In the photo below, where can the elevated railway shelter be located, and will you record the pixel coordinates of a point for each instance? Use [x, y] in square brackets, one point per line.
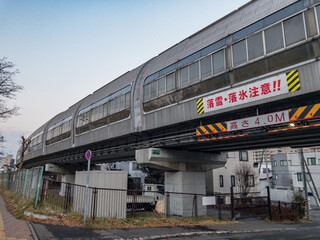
[236, 84]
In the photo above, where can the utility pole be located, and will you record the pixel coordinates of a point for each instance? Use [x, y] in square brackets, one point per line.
[267, 169]
[304, 182]
[314, 186]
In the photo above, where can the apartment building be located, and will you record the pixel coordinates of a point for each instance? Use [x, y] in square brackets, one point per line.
[221, 179]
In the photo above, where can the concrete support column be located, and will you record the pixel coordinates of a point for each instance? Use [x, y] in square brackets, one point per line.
[184, 173]
[185, 182]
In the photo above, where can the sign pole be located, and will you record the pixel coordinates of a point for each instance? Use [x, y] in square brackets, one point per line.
[88, 157]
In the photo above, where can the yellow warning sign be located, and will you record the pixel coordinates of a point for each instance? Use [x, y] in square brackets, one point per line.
[293, 81]
[200, 106]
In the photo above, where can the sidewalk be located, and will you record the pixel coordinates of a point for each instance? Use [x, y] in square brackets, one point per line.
[10, 227]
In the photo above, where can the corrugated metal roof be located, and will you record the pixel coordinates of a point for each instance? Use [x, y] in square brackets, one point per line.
[233, 22]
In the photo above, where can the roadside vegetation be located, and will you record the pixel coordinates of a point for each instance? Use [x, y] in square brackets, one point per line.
[18, 206]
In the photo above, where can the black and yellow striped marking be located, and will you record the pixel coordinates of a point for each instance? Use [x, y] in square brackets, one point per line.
[295, 114]
[306, 112]
[293, 81]
[294, 128]
[212, 129]
[200, 106]
[221, 138]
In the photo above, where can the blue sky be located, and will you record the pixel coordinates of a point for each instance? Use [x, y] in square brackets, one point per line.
[65, 50]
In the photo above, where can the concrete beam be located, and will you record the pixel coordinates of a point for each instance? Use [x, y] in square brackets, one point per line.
[176, 160]
[50, 167]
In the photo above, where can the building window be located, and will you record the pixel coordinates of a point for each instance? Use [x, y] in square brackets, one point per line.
[221, 180]
[243, 156]
[289, 163]
[233, 181]
[275, 163]
[308, 178]
[299, 176]
[134, 166]
[294, 30]
[276, 177]
[311, 161]
[274, 38]
[283, 163]
[250, 181]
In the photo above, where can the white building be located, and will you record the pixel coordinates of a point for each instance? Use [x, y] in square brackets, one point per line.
[287, 173]
[220, 180]
[6, 162]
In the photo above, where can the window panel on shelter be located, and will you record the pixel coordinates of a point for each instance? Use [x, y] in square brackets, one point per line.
[194, 72]
[146, 94]
[122, 102]
[218, 62]
[105, 110]
[153, 89]
[184, 75]
[274, 38]
[255, 46]
[114, 106]
[311, 24]
[127, 100]
[206, 67]
[162, 86]
[294, 30]
[318, 14]
[170, 82]
[239, 53]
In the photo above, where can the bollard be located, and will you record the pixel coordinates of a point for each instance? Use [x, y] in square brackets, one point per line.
[219, 208]
[232, 204]
[279, 209]
[168, 205]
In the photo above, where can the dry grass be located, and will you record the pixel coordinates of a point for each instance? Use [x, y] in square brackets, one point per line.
[17, 205]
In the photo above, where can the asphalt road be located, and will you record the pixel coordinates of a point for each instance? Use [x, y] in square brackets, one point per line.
[266, 231]
[305, 234]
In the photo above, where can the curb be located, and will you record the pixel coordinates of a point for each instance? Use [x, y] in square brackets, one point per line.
[33, 232]
[188, 234]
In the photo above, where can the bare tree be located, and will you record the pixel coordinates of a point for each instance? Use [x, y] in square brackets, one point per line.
[245, 179]
[8, 88]
[24, 146]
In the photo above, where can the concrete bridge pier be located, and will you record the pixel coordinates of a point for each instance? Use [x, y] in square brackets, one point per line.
[184, 172]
